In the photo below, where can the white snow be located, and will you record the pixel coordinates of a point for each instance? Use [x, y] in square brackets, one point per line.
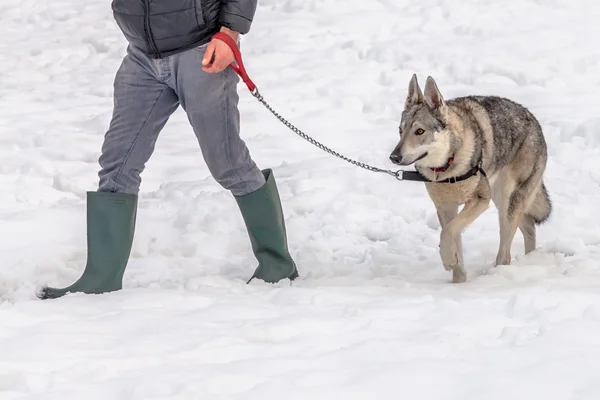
[374, 315]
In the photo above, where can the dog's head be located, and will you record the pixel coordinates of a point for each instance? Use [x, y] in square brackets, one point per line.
[424, 137]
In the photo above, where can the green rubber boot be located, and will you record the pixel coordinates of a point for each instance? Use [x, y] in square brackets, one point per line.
[263, 216]
[110, 227]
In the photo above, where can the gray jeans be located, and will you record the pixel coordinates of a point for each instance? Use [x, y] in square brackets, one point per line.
[147, 92]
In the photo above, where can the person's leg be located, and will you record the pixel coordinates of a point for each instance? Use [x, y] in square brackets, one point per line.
[142, 106]
[143, 102]
[211, 104]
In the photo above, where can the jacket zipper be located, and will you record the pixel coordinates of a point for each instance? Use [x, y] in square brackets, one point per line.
[148, 30]
[203, 10]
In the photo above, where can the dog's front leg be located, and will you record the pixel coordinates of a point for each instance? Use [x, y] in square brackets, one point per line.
[450, 238]
[446, 213]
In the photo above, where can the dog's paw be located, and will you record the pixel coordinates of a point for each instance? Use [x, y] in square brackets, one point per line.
[459, 275]
[502, 259]
[448, 267]
[448, 253]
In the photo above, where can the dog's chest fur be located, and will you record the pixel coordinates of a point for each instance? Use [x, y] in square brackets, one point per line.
[453, 193]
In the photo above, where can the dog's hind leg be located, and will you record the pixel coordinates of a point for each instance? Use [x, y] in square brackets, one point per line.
[503, 189]
[537, 210]
[508, 227]
[512, 200]
[527, 228]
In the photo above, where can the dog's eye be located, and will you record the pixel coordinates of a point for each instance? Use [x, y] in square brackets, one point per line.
[400, 131]
[419, 132]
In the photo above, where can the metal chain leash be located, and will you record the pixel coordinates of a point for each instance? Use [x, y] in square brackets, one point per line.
[260, 98]
[239, 69]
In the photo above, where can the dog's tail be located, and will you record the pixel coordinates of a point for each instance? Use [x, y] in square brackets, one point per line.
[541, 208]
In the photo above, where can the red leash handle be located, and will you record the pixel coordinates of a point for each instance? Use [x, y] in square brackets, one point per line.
[239, 68]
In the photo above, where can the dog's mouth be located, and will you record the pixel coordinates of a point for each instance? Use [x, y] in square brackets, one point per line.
[420, 157]
[399, 160]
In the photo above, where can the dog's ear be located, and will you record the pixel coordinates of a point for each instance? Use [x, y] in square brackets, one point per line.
[433, 97]
[415, 95]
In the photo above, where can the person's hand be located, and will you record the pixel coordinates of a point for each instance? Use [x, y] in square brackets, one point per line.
[218, 54]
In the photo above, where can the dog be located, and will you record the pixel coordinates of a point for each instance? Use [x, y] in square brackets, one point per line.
[471, 150]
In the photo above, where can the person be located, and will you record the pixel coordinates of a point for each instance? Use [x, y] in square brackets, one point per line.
[171, 60]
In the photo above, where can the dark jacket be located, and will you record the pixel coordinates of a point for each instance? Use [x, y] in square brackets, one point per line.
[164, 27]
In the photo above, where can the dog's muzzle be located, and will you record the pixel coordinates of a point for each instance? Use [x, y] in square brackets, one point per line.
[396, 159]
[399, 160]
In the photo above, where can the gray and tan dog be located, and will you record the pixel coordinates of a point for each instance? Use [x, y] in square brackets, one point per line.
[473, 149]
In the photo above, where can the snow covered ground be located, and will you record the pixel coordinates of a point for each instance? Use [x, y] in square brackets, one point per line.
[374, 315]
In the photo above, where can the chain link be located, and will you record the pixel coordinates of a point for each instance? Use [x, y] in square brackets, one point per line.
[260, 98]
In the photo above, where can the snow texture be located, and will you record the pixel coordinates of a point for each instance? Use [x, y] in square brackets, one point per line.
[374, 315]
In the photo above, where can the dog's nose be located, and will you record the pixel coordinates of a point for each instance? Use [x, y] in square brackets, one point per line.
[395, 158]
